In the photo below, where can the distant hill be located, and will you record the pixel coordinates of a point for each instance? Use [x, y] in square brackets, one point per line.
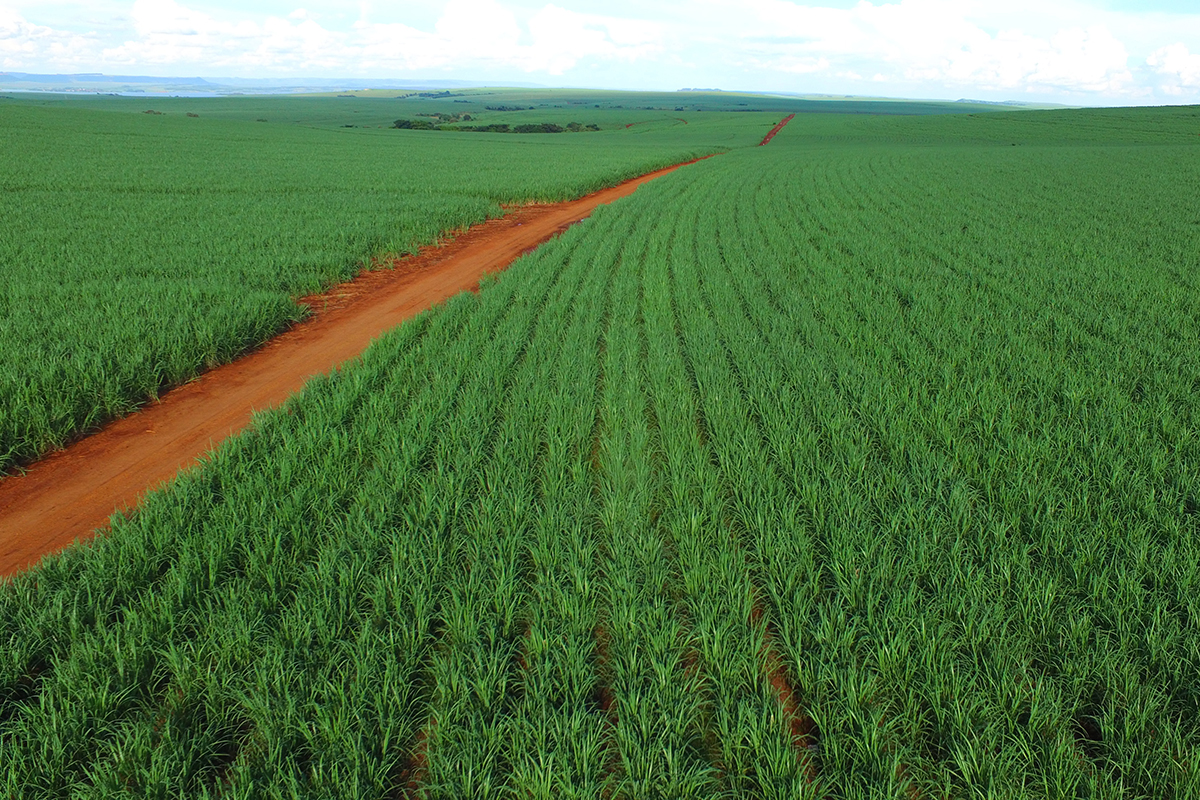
[98, 82]
[91, 77]
[1013, 103]
[95, 82]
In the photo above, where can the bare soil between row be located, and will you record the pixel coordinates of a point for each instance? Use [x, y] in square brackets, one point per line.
[70, 494]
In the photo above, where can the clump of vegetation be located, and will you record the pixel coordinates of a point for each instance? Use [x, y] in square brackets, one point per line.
[151, 111]
[414, 125]
[449, 122]
[543, 127]
[446, 119]
[496, 127]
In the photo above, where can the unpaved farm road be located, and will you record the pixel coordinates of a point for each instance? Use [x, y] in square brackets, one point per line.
[71, 493]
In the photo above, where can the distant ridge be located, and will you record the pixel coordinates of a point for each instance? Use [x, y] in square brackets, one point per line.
[98, 82]
[93, 77]
[992, 102]
[1022, 104]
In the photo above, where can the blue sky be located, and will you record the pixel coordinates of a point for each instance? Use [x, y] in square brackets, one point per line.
[1089, 52]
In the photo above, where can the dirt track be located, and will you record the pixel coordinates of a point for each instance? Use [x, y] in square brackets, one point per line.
[71, 493]
[778, 127]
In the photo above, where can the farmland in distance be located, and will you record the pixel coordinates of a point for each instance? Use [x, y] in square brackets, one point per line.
[860, 465]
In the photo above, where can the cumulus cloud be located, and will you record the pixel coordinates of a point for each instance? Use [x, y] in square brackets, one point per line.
[22, 42]
[171, 33]
[469, 34]
[1049, 48]
[1179, 66]
[484, 34]
[935, 41]
[800, 65]
[561, 38]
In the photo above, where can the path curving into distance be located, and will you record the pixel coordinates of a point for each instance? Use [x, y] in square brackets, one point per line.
[71, 493]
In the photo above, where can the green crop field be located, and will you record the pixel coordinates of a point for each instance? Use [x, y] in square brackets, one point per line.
[862, 465]
[148, 238]
[138, 249]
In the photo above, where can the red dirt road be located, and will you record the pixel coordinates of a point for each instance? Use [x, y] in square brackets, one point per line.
[778, 127]
[72, 492]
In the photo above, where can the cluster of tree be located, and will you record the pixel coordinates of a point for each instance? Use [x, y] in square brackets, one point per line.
[448, 118]
[537, 127]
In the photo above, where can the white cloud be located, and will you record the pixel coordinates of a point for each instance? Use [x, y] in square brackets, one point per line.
[23, 43]
[478, 29]
[1055, 49]
[171, 33]
[484, 34]
[936, 42]
[800, 65]
[480, 35]
[1178, 65]
[561, 38]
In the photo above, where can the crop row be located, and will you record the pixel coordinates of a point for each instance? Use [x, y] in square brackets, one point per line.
[806, 471]
[137, 252]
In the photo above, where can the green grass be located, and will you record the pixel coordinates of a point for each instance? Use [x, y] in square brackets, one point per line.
[923, 398]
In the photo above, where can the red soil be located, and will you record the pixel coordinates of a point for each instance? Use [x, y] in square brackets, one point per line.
[778, 127]
[605, 700]
[801, 726]
[414, 774]
[70, 493]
